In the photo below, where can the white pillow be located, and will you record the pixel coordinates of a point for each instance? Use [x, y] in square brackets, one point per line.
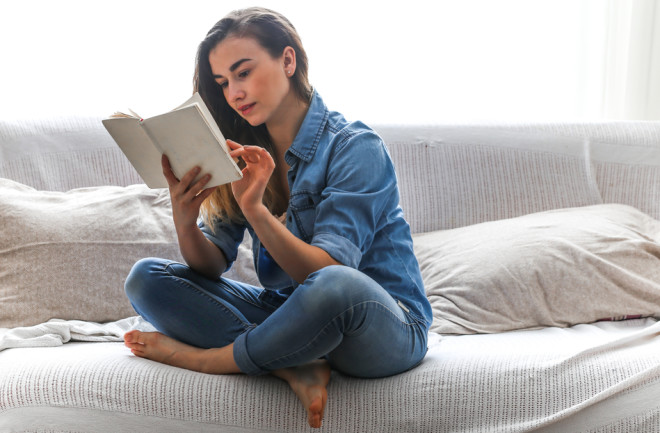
[66, 254]
[554, 268]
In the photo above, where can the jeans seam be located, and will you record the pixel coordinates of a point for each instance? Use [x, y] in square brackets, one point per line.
[386, 308]
[201, 289]
[200, 292]
[309, 343]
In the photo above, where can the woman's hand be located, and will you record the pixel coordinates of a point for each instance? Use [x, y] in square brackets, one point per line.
[187, 197]
[259, 166]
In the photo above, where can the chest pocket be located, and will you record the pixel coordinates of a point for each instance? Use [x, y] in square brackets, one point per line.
[302, 206]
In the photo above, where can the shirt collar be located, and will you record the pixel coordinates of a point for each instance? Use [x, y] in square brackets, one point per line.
[308, 137]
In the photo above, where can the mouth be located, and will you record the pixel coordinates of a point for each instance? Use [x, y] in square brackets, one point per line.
[245, 109]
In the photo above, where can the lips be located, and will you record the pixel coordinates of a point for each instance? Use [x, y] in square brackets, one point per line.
[245, 109]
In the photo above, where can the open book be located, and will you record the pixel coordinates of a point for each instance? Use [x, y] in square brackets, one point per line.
[188, 135]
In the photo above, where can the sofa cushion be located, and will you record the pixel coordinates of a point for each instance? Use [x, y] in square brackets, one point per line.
[553, 268]
[66, 254]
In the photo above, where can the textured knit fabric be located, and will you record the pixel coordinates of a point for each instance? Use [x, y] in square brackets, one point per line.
[592, 378]
[554, 268]
[512, 382]
[66, 255]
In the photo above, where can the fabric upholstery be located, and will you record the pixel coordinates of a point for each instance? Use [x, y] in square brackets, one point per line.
[553, 268]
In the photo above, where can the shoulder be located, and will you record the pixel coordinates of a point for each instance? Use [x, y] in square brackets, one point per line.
[357, 152]
[339, 138]
[353, 136]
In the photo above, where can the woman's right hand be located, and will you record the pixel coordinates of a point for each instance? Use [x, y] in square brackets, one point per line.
[186, 196]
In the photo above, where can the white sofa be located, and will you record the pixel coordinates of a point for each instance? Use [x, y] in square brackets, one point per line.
[75, 375]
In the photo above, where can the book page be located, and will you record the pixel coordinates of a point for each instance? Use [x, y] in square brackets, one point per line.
[132, 114]
[188, 141]
[197, 100]
[138, 148]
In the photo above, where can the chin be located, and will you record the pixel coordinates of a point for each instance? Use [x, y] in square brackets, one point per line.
[255, 121]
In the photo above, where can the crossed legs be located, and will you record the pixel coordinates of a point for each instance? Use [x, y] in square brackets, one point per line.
[221, 327]
[308, 381]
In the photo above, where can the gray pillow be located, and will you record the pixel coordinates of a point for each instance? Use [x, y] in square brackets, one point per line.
[66, 254]
[554, 268]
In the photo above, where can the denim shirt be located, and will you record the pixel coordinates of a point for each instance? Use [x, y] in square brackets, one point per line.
[344, 199]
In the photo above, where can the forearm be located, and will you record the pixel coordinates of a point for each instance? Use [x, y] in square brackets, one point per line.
[200, 253]
[296, 257]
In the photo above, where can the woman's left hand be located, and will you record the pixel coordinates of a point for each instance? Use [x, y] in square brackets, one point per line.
[259, 166]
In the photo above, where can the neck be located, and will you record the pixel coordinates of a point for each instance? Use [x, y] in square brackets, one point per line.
[284, 128]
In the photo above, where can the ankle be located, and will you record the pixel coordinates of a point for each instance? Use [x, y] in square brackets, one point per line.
[218, 361]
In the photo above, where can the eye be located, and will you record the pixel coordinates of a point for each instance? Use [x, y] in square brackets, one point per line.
[244, 73]
[223, 85]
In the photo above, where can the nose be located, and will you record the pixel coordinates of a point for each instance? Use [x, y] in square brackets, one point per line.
[234, 92]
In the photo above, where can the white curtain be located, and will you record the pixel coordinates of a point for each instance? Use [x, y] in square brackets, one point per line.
[630, 60]
[381, 62]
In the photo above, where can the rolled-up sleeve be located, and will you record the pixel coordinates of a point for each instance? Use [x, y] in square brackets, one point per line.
[226, 236]
[361, 182]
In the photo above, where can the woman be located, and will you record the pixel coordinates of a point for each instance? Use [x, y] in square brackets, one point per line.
[319, 197]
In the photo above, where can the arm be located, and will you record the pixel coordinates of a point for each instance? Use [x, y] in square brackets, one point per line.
[198, 252]
[297, 258]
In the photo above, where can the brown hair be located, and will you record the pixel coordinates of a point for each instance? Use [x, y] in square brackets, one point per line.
[274, 33]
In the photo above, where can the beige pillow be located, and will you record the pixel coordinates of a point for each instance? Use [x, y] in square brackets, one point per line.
[66, 254]
[554, 268]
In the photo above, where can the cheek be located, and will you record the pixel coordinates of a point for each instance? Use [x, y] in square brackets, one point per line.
[276, 83]
[262, 83]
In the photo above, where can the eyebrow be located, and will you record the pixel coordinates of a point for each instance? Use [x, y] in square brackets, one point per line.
[233, 67]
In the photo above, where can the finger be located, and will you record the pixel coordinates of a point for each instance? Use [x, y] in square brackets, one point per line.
[235, 150]
[198, 186]
[167, 171]
[261, 153]
[233, 145]
[189, 177]
[253, 154]
[237, 153]
[203, 195]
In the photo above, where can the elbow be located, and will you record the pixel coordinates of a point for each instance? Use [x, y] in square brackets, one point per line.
[326, 260]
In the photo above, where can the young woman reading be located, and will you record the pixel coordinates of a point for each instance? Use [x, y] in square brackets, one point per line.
[341, 287]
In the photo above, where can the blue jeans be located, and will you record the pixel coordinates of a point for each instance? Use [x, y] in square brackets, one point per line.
[337, 313]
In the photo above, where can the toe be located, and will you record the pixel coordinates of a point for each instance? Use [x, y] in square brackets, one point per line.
[131, 336]
[315, 412]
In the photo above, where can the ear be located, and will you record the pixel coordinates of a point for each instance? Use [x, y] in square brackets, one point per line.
[289, 61]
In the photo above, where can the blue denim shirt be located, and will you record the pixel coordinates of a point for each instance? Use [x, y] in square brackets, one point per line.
[344, 199]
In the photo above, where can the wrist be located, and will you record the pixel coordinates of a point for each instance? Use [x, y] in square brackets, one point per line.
[256, 214]
[184, 230]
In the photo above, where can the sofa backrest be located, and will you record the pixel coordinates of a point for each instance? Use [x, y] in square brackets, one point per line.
[59, 154]
[456, 175]
[449, 175]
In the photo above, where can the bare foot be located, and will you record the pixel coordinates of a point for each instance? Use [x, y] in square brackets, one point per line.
[309, 382]
[161, 348]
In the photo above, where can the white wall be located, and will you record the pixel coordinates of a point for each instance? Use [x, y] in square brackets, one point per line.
[408, 62]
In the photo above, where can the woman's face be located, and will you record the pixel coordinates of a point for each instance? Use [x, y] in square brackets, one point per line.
[254, 83]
